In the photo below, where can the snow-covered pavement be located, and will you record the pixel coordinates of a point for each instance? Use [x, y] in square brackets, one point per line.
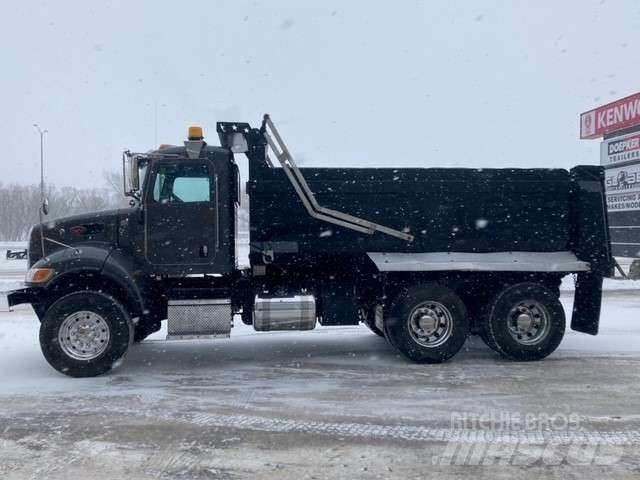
[273, 405]
[338, 400]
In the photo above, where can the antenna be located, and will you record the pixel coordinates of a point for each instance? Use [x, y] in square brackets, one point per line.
[44, 207]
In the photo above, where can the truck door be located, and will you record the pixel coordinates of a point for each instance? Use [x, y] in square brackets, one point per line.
[181, 215]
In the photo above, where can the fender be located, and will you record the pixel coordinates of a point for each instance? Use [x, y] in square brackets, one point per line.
[102, 259]
[123, 270]
[80, 257]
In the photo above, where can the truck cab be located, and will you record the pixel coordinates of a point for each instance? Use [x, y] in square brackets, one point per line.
[186, 209]
[176, 240]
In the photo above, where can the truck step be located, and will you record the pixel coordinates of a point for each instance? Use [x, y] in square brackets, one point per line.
[201, 318]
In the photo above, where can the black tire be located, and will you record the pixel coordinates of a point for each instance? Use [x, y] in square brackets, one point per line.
[112, 316]
[488, 341]
[372, 326]
[543, 322]
[370, 321]
[484, 330]
[387, 334]
[436, 304]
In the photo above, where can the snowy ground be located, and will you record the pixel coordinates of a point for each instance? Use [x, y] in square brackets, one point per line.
[331, 403]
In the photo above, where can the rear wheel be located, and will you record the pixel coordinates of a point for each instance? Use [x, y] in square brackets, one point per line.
[374, 329]
[369, 319]
[85, 334]
[524, 322]
[488, 342]
[428, 324]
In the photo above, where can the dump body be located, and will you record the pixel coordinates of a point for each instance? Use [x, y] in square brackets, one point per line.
[446, 210]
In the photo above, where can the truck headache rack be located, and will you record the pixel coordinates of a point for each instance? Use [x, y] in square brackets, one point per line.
[315, 210]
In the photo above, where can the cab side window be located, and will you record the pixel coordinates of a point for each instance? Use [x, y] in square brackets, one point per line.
[182, 184]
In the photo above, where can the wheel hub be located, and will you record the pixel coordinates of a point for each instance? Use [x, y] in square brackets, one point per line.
[529, 322]
[430, 324]
[524, 322]
[84, 335]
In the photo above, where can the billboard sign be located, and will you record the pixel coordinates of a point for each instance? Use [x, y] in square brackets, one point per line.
[625, 148]
[622, 186]
[613, 117]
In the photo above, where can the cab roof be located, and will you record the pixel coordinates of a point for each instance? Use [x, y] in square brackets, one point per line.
[182, 151]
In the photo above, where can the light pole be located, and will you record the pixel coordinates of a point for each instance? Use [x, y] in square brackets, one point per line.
[43, 204]
[155, 124]
[156, 111]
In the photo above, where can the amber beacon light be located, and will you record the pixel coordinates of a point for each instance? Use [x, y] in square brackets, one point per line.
[195, 133]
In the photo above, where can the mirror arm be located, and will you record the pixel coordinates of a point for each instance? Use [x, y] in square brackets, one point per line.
[135, 194]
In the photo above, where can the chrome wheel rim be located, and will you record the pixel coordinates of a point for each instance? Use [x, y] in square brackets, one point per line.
[84, 335]
[430, 324]
[529, 322]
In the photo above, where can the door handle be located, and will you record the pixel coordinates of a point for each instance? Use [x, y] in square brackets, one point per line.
[204, 251]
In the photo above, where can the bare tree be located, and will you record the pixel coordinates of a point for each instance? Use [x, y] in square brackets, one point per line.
[113, 181]
[19, 204]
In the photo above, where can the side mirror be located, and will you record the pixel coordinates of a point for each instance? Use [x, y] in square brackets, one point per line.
[130, 174]
[45, 206]
[133, 174]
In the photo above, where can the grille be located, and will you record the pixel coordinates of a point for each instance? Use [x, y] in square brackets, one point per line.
[199, 318]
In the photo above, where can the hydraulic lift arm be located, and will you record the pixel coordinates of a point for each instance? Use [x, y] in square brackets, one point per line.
[315, 210]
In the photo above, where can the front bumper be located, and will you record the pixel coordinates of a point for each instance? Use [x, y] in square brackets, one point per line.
[24, 295]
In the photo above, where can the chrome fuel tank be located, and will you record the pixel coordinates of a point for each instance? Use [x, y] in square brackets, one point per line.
[297, 312]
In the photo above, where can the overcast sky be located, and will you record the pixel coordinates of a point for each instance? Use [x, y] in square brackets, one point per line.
[403, 83]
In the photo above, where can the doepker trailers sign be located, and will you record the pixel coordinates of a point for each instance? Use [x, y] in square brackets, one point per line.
[625, 148]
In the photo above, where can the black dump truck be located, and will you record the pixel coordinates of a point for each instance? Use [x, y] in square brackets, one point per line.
[424, 257]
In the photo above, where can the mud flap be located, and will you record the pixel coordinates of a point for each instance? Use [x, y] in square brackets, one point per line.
[586, 303]
[4, 303]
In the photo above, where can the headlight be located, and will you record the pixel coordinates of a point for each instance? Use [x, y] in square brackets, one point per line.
[39, 275]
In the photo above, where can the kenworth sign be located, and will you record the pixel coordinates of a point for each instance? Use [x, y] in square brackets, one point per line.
[612, 117]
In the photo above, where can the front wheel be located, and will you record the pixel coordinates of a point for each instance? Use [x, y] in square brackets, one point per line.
[428, 324]
[525, 322]
[85, 334]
